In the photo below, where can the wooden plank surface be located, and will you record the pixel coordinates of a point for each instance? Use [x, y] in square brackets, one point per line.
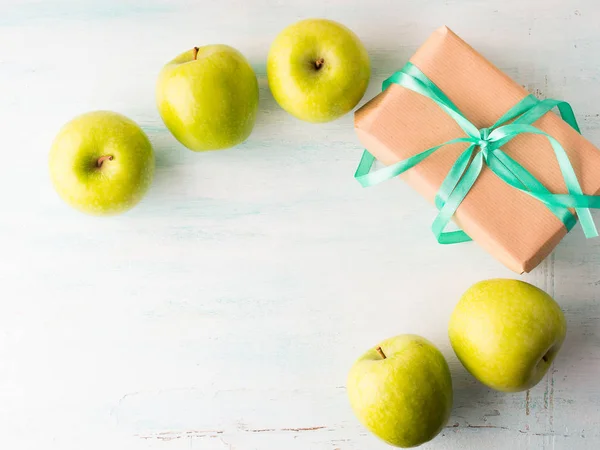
[226, 309]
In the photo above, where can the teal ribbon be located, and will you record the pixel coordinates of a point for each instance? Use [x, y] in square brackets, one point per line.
[485, 148]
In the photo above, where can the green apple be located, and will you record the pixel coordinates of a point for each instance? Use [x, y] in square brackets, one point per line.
[506, 333]
[101, 163]
[401, 390]
[208, 97]
[318, 70]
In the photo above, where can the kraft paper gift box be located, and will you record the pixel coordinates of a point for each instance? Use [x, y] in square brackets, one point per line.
[520, 231]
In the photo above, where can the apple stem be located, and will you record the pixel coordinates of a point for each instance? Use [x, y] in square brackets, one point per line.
[319, 63]
[195, 55]
[380, 351]
[102, 159]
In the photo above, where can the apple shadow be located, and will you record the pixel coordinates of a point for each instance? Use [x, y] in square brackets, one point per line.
[473, 401]
[167, 149]
[269, 115]
[171, 159]
[385, 60]
[581, 348]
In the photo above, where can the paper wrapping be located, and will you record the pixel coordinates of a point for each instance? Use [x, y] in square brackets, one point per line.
[517, 229]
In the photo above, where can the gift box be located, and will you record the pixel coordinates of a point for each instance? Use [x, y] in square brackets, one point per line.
[512, 174]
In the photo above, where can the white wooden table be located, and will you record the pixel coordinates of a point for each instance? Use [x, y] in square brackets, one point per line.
[225, 310]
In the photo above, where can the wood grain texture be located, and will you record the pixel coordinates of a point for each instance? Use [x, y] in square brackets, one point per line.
[224, 311]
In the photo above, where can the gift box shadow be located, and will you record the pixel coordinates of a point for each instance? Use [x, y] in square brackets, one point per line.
[575, 243]
[387, 59]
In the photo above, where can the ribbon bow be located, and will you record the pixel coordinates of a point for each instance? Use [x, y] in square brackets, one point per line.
[485, 148]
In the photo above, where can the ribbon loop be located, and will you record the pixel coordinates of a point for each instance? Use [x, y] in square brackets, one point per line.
[484, 134]
[483, 142]
[468, 166]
